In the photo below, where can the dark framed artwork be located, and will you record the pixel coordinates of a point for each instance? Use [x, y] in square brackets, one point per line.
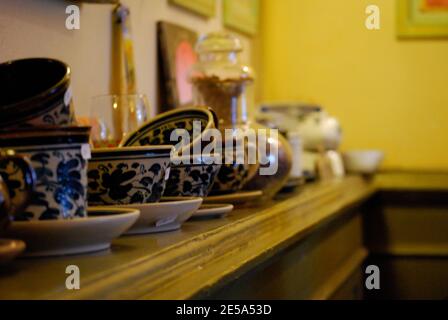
[176, 56]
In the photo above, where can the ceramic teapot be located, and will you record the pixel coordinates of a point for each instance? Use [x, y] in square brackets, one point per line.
[318, 130]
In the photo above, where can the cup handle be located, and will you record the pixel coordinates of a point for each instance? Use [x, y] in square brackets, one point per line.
[215, 117]
[29, 179]
[5, 205]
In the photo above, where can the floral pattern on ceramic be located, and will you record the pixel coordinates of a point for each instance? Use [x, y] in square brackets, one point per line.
[160, 134]
[60, 114]
[233, 175]
[158, 130]
[231, 178]
[15, 197]
[60, 189]
[191, 179]
[14, 178]
[126, 181]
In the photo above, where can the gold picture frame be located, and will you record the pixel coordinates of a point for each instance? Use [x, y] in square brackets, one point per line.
[241, 15]
[422, 18]
[206, 8]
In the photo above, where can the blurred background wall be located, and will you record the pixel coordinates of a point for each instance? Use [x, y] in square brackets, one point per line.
[389, 94]
[30, 28]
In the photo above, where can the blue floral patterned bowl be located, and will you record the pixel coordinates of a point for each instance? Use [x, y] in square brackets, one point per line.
[128, 175]
[191, 176]
[58, 156]
[158, 130]
[35, 92]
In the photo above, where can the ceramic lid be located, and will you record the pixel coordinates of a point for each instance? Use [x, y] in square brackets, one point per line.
[218, 42]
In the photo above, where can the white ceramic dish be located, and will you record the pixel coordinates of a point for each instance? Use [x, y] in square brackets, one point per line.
[64, 237]
[213, 211]
[236, 198]
[362, 161]
[9, 249]
[167, 215]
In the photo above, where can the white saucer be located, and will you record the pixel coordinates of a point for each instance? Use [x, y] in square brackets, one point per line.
[236, 198]
[167, 215]
[213, 211]
[9, 249]
[64, 237]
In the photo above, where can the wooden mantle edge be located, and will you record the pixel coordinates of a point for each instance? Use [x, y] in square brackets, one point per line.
[220, 255]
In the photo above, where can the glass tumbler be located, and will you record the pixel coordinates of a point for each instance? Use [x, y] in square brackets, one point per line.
[112, 117]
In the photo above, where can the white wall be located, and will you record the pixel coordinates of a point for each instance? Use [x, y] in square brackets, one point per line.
[31, 28]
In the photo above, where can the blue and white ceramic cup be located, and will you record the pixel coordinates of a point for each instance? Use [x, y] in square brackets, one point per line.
[128, 175]
[58, 156]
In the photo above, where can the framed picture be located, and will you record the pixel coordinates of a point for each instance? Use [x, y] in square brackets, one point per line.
[422, 18]
[176, 56]
[241, 15]
[206, 8]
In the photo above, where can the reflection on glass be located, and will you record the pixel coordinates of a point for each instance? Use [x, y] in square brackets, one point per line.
[114, 116]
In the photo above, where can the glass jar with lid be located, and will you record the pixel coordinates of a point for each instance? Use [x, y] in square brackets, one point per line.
[219, 80]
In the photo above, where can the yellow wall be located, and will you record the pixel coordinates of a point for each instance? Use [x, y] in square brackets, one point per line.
[388, 94]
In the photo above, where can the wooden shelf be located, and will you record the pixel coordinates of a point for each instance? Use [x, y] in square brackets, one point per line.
[412, 180]
[189, 262]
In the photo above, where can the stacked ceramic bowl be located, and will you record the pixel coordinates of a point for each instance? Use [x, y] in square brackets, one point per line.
[193, 171]
[199, 167]
[136, 177]
[43, 164]
[149, 171]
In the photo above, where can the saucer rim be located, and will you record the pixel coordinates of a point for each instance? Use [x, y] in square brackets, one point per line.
[162, 205]
[223, 208]
[171, 202]
[57, 228]
[119, 212]
[236, 196]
